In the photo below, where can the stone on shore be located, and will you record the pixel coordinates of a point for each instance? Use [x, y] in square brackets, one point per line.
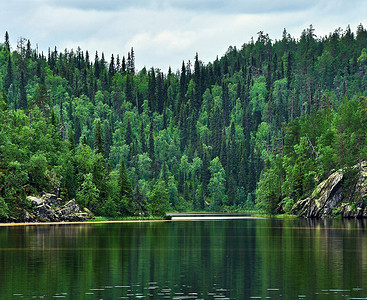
[50, 208]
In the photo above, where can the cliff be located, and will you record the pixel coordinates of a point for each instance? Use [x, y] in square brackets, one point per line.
[342, 193]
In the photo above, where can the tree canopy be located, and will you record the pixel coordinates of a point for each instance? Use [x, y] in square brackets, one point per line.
[261, 125]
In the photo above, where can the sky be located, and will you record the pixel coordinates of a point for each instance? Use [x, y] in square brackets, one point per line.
[163, 33]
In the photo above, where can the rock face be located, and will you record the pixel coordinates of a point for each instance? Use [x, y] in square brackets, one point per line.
[50, 208]
[332, 197]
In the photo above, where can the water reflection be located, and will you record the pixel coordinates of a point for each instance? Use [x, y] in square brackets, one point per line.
[226, 259]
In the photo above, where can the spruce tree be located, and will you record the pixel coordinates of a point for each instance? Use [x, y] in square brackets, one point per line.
[97, 68]
[118, 64]
[226, 104]
[152, 98]
[112, 68]
[7, 44]
[8, 80]
[131, 62]
[128, 134]
[198, 83]
[151, 143]
[125, 191]
[23, 95]
[182, 85]
[140, 202]
[98, 139]
[123, 65]
[143, 143]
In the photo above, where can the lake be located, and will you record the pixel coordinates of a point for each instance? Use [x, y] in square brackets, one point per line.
[186, 259]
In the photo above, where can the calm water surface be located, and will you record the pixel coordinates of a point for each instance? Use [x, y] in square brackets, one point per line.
[202, 259]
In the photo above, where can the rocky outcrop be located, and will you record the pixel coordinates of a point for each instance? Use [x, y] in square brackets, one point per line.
[333, 197]
[50, 208]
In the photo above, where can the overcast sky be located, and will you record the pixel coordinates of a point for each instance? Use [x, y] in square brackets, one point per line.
[165, 32]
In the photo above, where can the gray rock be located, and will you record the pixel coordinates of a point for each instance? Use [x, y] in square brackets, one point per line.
[35, 201]
[332, 198]
[49, 208]
[51, 199]
[45, 213]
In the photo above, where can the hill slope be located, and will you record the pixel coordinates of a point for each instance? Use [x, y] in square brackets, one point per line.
[113, 137]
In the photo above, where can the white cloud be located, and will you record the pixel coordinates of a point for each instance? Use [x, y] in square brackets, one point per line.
[165, 32]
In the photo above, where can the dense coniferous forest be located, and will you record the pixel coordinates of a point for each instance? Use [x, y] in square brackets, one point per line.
[258, 127]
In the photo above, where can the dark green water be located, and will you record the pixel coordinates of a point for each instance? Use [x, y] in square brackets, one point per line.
[226, 259]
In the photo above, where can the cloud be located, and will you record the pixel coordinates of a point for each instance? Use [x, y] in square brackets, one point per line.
[165, 32]
[202, 6]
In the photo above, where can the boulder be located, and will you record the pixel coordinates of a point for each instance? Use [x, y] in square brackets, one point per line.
[51, 199]
[45, 212]
[332, 198]
[50, 208]
[35, 201]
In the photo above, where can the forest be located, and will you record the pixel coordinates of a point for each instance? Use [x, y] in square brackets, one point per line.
[257, 128]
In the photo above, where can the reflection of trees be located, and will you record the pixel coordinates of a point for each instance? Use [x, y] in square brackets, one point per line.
[308, 256]
[244, 257]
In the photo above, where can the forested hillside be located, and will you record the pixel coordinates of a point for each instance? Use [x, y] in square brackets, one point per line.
[261, 125]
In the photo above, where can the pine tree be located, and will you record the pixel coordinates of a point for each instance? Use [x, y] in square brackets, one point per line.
[129, 88]
[198, 84]
[123, 65]
[142, 139]
[112, 68]
[131, 62]
[98, 139]
[8, 80]
[140, 202]
[152, 98]
[125, 191]
[28, 52]
[160, 96]
[7, 44]
[151, 143]
[71, 142]
[226, 104]
[97, 68]
[128, 134]
[118, 64]
[182, 85]
[23, 95]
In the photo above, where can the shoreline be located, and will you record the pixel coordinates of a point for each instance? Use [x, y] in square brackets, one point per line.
[79, 222]
[172, 217]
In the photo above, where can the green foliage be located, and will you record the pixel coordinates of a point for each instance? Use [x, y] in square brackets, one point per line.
[36, 170]
[125, 192]
[88, 195]
[269, 192]
[3, 209]
[159, 199]
[271, 119]
[216, 185]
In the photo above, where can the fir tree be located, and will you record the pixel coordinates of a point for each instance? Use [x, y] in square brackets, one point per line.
[112, 68]
[7, 43]
[8, 80]
[98, 139]
[125, 191]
